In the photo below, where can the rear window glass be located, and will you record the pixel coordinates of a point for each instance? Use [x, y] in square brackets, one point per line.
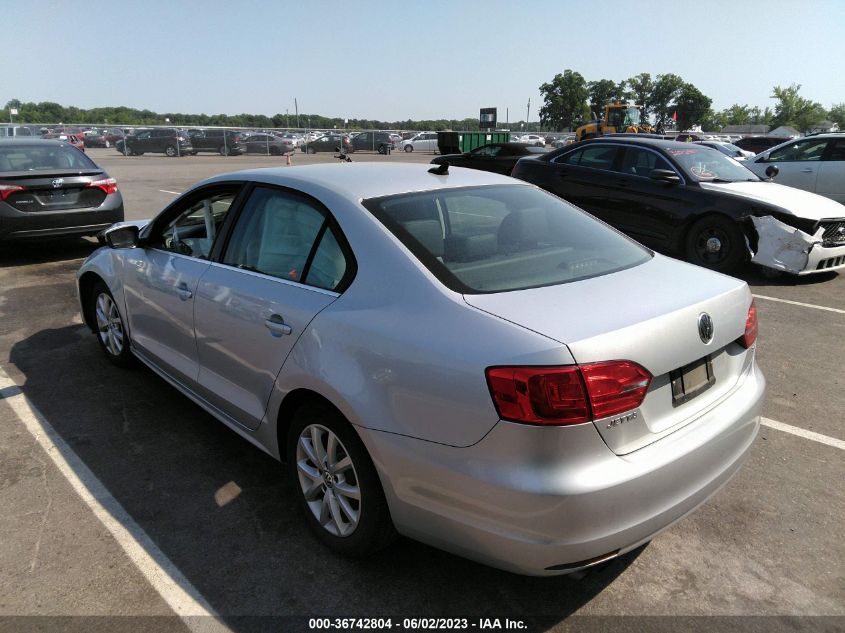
[504, 237]
[48, 157]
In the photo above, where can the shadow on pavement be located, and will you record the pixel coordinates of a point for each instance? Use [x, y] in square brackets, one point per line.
[41, 251]
[248, 551]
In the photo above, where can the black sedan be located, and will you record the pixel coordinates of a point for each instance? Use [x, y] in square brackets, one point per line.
[327, 143]
[268, 144]
[50, 188]
[499, 158]
[693, 202]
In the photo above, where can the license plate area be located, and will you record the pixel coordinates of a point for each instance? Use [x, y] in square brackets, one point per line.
[691, 380]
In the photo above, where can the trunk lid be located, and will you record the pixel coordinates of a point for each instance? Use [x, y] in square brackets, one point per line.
[58, 191]
[647, 314]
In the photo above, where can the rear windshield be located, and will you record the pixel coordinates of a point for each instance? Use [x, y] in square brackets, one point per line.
[42, 157]
[504, 237]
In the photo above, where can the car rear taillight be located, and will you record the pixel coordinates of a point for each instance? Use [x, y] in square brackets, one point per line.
[615, 386]
[567, 395]
[109, 185]
[750, 335]
[8, 190]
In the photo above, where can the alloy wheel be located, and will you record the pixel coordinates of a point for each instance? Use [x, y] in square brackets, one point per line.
[109, 324]
[328, 480]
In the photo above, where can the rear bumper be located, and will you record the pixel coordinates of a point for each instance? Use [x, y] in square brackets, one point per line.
[546, 501]
[16, 224]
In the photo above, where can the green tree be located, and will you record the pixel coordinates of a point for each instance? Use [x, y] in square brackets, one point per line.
[761, 117]
[796, 111]
[837, 114]
[565, 101]
[691, 106]
[601, 93]
[737, 115]
[640, 88]
[664, 91]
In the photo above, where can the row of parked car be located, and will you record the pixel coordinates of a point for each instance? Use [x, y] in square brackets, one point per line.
[690, 200]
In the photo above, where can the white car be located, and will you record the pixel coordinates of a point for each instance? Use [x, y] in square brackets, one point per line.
[423, 142]
[532, 139]
[728, 149]
[813, 163]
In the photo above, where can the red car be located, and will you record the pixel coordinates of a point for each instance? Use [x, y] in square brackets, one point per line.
[72, 135]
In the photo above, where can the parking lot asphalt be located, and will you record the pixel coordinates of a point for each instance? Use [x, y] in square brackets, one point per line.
[172, 494]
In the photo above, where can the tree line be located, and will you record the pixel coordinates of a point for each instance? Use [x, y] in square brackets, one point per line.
[48, 112]
[570, 100]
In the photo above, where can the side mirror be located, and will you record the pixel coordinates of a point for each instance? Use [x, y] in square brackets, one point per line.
[122, 236]
[772, 171]
[665, 175]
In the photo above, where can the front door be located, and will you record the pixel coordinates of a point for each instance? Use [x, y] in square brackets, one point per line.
[161, 282]
[798, 163]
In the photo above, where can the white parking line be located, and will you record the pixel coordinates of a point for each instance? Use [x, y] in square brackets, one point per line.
[809, 435]
[175, 193]
[159, 571]
[798, 303]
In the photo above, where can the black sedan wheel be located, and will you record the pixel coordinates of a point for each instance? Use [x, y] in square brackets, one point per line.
[716, 242]
[170, 151]
[312, 149]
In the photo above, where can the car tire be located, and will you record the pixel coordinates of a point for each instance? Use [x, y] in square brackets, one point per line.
[106, 144]
[111, 332]
[327, 485]
[716, 242]
[170, 151]
[382, 149]
[222, 150]
[275, 151]
[409, 148]
[312, 150]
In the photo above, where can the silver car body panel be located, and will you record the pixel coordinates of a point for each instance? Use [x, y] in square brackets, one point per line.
[403, 358]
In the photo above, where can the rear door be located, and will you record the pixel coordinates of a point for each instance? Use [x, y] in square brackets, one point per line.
[585, 178]
[283, 264]
[161, 279]
[831, 178]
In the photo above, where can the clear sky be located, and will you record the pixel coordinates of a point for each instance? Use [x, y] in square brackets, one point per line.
[419, 59]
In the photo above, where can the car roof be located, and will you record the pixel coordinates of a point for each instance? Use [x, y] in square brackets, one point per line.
[356, 181]
[30, 140]
[633, 140]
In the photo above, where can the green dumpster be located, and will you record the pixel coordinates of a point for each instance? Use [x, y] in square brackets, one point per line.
[459, 142]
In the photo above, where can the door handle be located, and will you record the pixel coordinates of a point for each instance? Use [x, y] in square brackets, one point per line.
[184, 292]
[277, 326]
[807, 171]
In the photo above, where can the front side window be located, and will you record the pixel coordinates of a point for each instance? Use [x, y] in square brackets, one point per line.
[276, 235]
[799, 151]
[504, 237]
[194, 230]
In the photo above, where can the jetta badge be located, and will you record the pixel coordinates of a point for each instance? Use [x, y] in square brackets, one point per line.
[58, 182]
[705, 328]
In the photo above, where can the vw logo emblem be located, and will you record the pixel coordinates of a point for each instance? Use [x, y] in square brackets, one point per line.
[58, 182]
[705, 328]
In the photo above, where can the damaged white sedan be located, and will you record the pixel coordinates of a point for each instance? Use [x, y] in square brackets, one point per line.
[695, 203]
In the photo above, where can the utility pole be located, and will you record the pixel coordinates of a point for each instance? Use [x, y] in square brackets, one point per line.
[296, 105]
[528, 112]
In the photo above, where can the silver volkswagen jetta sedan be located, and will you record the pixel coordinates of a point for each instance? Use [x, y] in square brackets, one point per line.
[461, 358]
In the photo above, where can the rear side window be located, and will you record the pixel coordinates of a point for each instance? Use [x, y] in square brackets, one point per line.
[502, 238]
[595, 156]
